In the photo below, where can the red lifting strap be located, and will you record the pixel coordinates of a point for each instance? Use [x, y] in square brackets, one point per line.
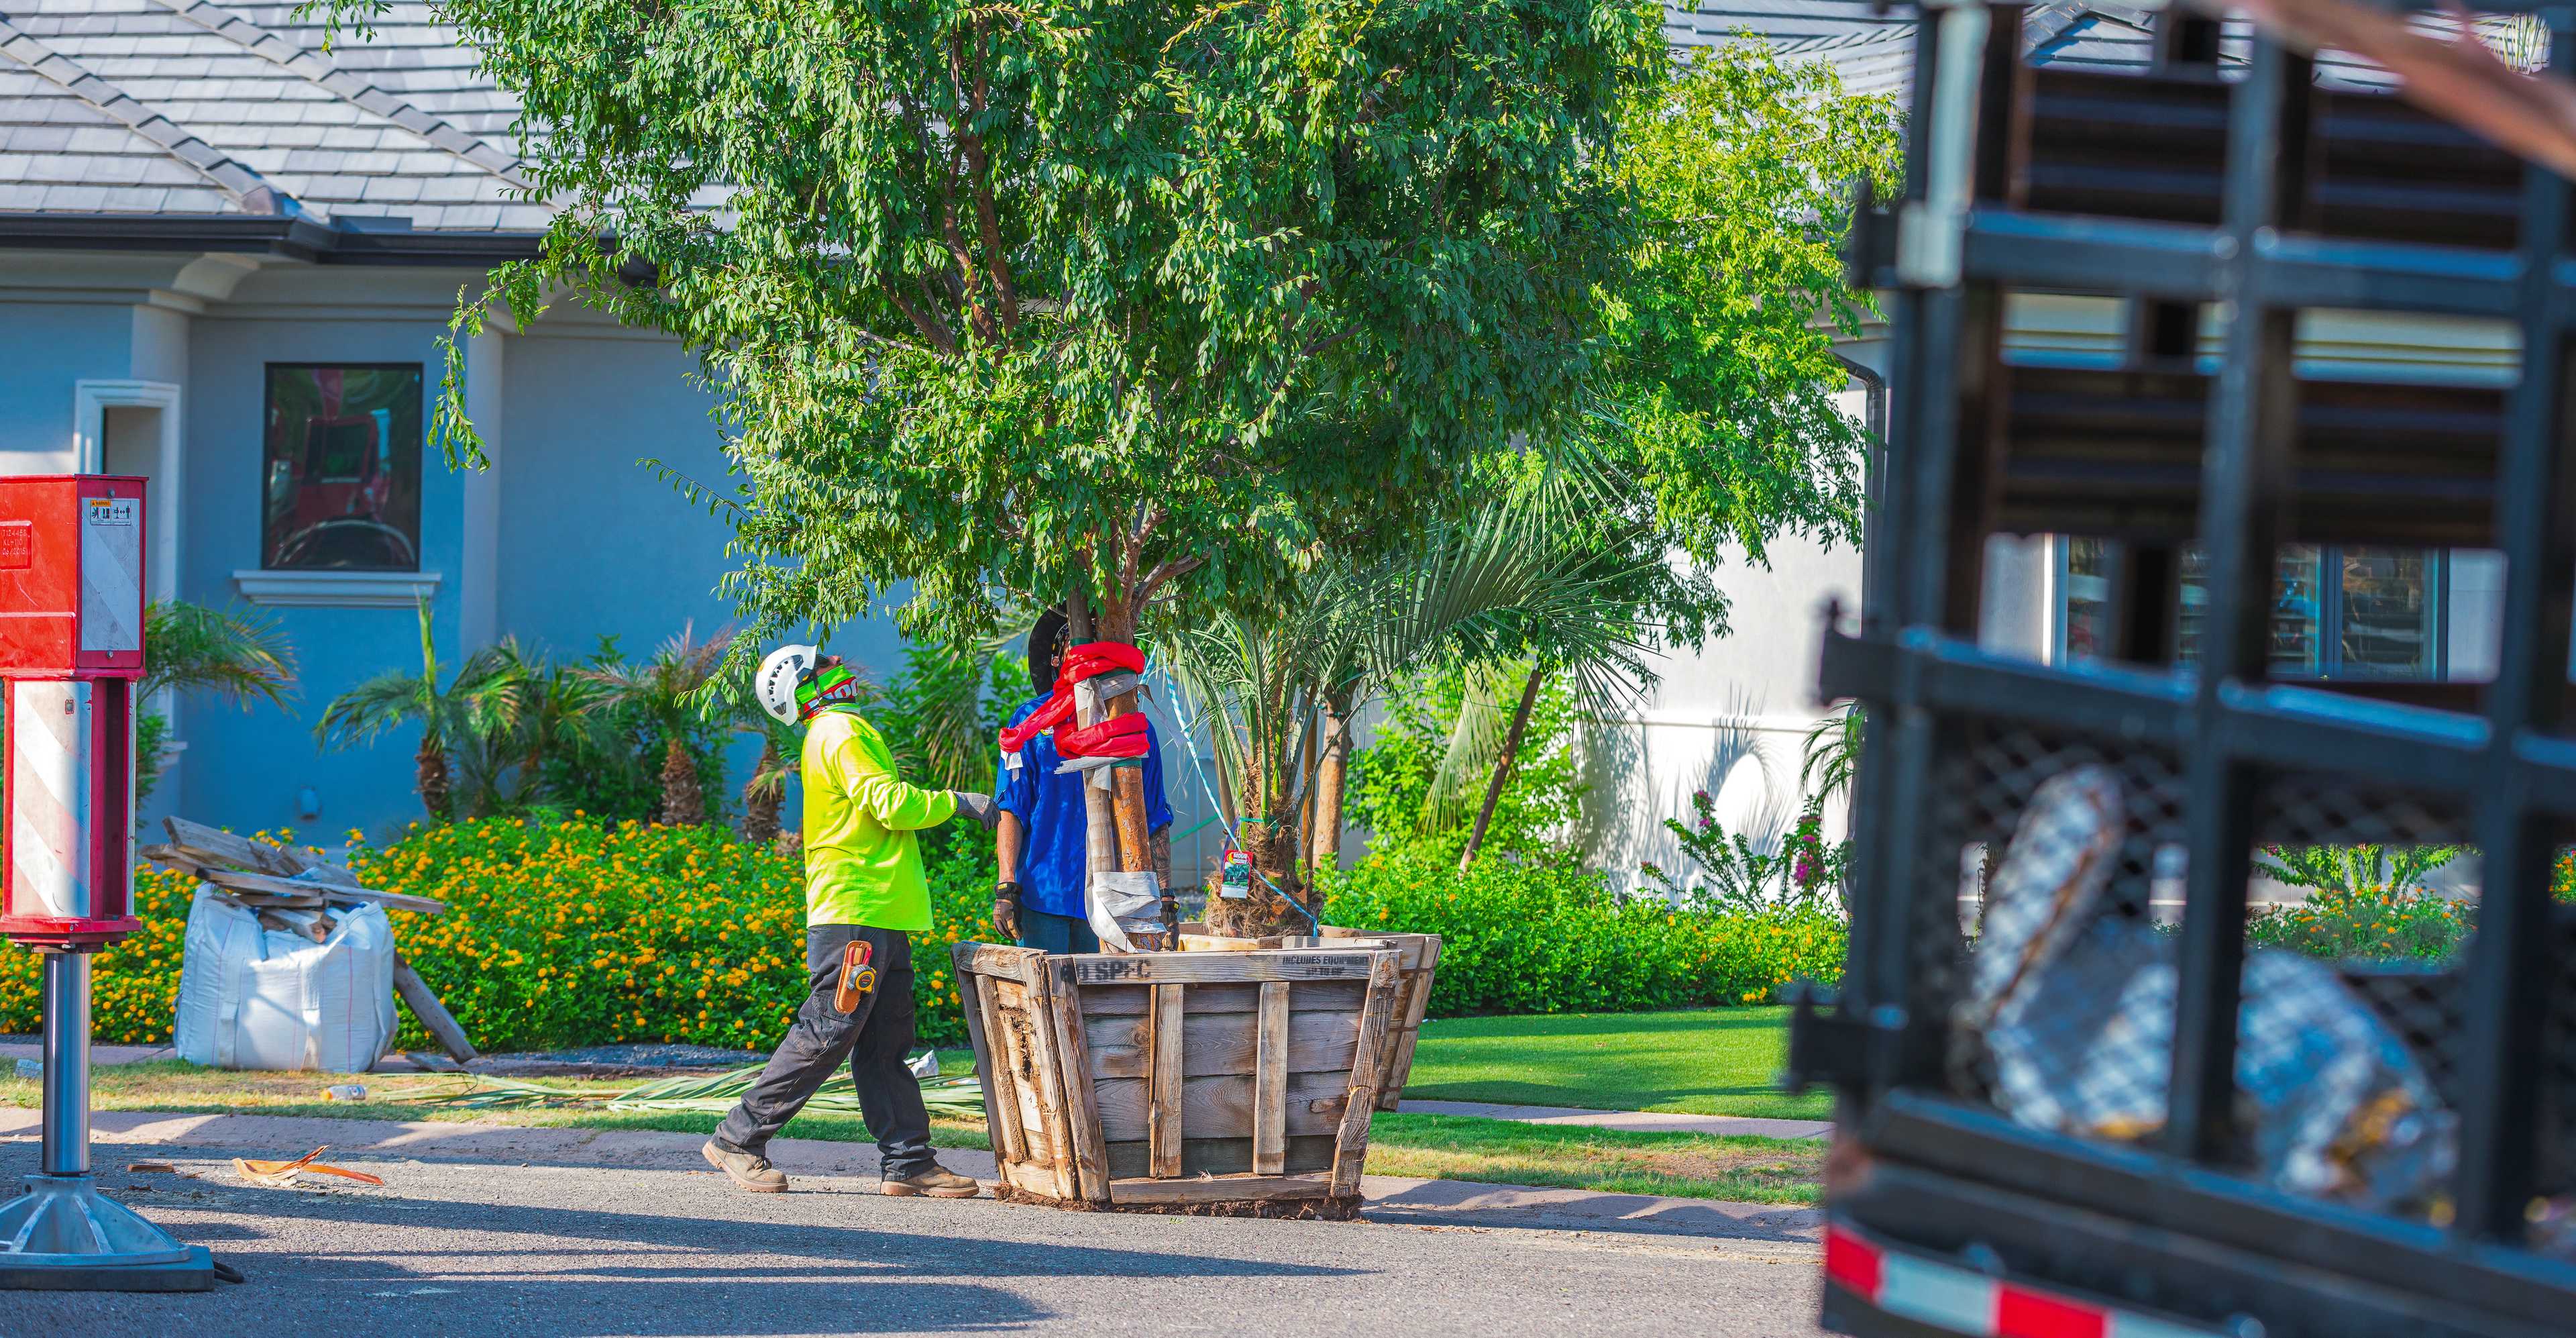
[1120, 737]
[1087, 661]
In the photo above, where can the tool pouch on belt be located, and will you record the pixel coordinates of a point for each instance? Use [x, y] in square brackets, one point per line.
[858, 979]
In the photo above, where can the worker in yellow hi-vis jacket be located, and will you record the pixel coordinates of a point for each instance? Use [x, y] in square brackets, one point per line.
[865, 898]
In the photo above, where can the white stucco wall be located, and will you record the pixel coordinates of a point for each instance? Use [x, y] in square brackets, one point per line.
[1730, 716]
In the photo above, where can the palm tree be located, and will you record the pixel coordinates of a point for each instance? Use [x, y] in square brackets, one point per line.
[765, 793]
[233, 653]
[1278, 693]
[464, 717]
[1832, 757]
[668, 692]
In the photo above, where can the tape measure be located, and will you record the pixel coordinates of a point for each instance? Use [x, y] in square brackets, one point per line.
[858, 979]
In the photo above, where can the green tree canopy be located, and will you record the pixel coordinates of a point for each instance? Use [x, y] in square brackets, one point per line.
[1708, 426]
[1156, 300]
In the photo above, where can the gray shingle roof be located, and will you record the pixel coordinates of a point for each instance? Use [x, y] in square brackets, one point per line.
[223, 107]
[2073, 35]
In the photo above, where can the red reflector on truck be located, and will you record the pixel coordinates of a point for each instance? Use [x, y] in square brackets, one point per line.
[1851, 1262]
[1945, 1296]
[2027, 1314]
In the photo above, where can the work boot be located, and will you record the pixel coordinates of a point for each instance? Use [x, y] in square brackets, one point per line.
[749, 1170]
[934, 1181]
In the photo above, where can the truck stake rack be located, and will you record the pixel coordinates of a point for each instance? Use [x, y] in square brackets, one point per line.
[2221, 195]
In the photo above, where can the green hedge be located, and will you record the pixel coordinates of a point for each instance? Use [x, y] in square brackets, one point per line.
[561, 934]
[584, 933]
[1552, 938]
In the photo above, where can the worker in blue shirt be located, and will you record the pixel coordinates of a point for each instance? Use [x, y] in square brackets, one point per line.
[1044, 825]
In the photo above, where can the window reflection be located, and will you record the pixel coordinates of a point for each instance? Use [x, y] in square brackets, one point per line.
[343, 468]
[2337, 612]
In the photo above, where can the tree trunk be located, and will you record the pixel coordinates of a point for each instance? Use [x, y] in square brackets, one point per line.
[431, 777]
[1127, 792]
[1325, 831]
[1100, 829]
[760, 803]
[684, 804]
[1502, 766]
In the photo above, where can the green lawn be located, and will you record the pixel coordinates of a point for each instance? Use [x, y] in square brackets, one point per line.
[1714, 1061]
[1616, 1161]
[1430, 1147]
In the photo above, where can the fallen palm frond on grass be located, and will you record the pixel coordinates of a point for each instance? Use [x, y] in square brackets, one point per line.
[958, 1098]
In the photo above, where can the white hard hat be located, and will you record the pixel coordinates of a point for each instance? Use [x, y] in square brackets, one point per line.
[781, 674]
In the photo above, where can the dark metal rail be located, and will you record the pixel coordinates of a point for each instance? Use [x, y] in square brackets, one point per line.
[2275, 197]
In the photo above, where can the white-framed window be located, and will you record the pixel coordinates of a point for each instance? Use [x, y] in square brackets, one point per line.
[2338, 611]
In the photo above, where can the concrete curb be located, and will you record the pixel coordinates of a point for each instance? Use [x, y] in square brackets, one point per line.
[1391, 1199]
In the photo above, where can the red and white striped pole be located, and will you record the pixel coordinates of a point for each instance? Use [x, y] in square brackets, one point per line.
[71, 653]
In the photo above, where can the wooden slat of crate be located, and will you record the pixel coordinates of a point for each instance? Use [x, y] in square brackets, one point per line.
[1052, 1079]
[1016, 1051]
[1411, 1002]
[1082, 1113]
[1223, 1043]
[1273, 1058]
[1223, 1156]
[1324, 996]
[1164, 1078]
[1211, 968]
[991, 1077]
[1219, 1189]
[1351, 1151]
[1221, 1107]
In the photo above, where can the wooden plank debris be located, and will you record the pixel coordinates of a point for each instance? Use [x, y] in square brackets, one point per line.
[238, 881]
[433, 1015]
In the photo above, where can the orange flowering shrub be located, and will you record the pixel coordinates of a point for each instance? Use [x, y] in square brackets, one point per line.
[566, 933]
[133, 985]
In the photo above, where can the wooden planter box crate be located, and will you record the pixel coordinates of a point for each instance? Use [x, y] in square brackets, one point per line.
[1417, 959]
[1181, 1082]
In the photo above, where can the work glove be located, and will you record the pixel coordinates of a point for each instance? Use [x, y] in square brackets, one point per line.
[980, 807]
[1006, 910]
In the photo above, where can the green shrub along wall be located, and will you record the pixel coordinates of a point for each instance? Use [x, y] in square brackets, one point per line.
[1546, 937]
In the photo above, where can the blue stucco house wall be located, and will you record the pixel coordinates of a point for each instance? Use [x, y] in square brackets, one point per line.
[189, 197]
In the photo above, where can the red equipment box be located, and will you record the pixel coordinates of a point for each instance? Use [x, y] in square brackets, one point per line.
[69, 872]
[71, 648]
[71, 576]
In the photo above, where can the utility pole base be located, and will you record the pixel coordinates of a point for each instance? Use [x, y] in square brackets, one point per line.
[61, 1234]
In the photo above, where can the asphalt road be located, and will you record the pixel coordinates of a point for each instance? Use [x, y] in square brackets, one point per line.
[474, 1247]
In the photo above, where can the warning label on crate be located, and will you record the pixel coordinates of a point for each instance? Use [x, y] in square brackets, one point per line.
[17, 545]
[109, 510]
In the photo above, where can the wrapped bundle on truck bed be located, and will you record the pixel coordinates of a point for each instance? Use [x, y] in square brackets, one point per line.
[2072, 1098]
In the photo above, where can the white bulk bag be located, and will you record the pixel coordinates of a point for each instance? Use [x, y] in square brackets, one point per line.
[254, 998]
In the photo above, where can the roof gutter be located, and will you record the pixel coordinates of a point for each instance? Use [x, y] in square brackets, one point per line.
[290, 238]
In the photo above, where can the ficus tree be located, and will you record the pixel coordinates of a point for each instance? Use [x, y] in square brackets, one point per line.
[1140, 302]
[1712, 400]
[1111, 303]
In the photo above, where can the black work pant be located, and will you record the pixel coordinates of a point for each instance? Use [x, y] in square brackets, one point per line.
[875, 1037]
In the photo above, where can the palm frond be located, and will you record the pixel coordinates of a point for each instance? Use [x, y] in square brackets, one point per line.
[233, 652]
[377, 706]
[1832, 754]
[1475, 741]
